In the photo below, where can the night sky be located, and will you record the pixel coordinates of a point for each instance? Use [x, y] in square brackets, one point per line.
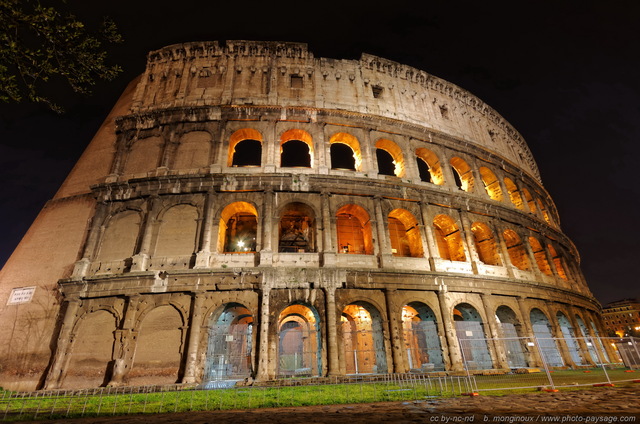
[565, 74]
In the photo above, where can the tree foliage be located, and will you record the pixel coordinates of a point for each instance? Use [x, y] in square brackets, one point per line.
[40, 44]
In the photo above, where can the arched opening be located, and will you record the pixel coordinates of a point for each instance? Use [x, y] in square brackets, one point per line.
[558, 262]
[354, 230]
[177, 234]
[491, 184]
[363, 340]
[404, 234]
[485, 244]
[514, 345]
[604, 352]
[296, 149]
[429, 166]
[345, 152]
[230, 345]
[238, 228]
[297, 229]
[421, 339]
[514, 193]
[582, 330]
[390, 158]
[570, 338]
[472, 338]
[517, 252]
[299, 342]
[120, 237]
[448, 239]
[543, 209]
[529, 199]
[245, 148]
[542, 331]
[462, 174]
[540, 255]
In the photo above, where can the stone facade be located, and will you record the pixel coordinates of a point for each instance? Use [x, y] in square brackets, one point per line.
[249, 211]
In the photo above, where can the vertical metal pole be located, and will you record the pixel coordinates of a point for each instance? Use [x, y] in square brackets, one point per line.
[544, 361]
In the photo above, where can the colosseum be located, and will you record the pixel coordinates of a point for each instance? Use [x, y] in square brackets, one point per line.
[249, 212]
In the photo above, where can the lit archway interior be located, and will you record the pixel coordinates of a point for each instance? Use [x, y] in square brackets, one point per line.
[299, 342]
[363, 340]
[354, 230]
[238, 228]
[297, 229]
[472, 338]
[245, 148]
[448, 239]
[421, 340]
[404, 234]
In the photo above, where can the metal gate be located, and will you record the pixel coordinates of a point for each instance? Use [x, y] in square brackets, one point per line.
[548, 346]
[423, 346]
[513, 346]
[475, 352]
[228, 352]
[572, 345]
[298, 352]
[359, 350]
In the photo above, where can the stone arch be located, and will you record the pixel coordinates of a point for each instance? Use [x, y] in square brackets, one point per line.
[296, 149]
[569, 335]
[178, 231]
[472, 337]
[397, 158]
[542, 331]
[514, 193]
[93, 342]
[120, 237]
[299, 341]
[543, 209]
[404, 234]
[245, 148]
[491, 184]
[429, 166]
[540, 255]
[511, 334]
[363, 341]
[421, 339]
[558, 262]
[297, 228]
[158, 355]
[516, 250]
[238, 229]
[529, 199]
[353, 226]
[462, 173]
[345, 152]
[486, 245]
[143, 155]
[230, 344]
[448, 238]
[193, 151]
[584, 333]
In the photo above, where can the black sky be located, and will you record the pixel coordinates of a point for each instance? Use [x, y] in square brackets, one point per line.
[565, 74]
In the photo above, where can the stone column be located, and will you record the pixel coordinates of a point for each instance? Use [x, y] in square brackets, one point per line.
[332, 331]
[584, 349]
[263, 358]
[560, 341]
[125, 343]
[505, 254]
[450, 330]
[62, 353]
[383, 240]
[533, 352]
[397, 340]
[432, 247]
[470, 241]
[532, 258]
[204, 254]
[328, 248]
[141, 260]
[195, 327]
[496, 347]
[81, 267]
[266, 253]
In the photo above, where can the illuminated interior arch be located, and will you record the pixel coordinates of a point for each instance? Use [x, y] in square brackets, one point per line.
[404, 234]
[238, 228]
[429, 160]
[543, 209]
[395, 152]
[514, 193]
[517, 252]
[299, 342]
[354, 230]
[339, 143]
[296, 149]
[297, 229]
[420, 334]
[462, 174]
[485, 244]
[557, 261]
[540, 255]
[245, 148]
[491, 184]
[363, 346]
[529, 199]
[449, 239]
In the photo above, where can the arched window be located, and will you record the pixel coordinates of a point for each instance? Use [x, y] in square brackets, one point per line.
[296, 149]
[517, 252]
[245, 148]
[404, 234]
[557, 261]
[462, 174]
[491, 184]
[540, 255]
[529, 199]
[429, 166]
[238, 228]
[514, 193]
[485, 244]
[545, 214]
[297, 229]
[390, 158]
[354, 230]
[449, 239]
[345, 152]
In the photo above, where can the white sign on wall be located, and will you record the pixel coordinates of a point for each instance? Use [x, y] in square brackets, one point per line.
[21, 295]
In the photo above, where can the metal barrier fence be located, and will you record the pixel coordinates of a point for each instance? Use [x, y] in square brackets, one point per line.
[58, 404]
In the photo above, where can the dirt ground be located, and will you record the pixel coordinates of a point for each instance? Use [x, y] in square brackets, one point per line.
[599, 405]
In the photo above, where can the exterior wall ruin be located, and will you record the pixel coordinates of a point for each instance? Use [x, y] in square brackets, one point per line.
[204, 251]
